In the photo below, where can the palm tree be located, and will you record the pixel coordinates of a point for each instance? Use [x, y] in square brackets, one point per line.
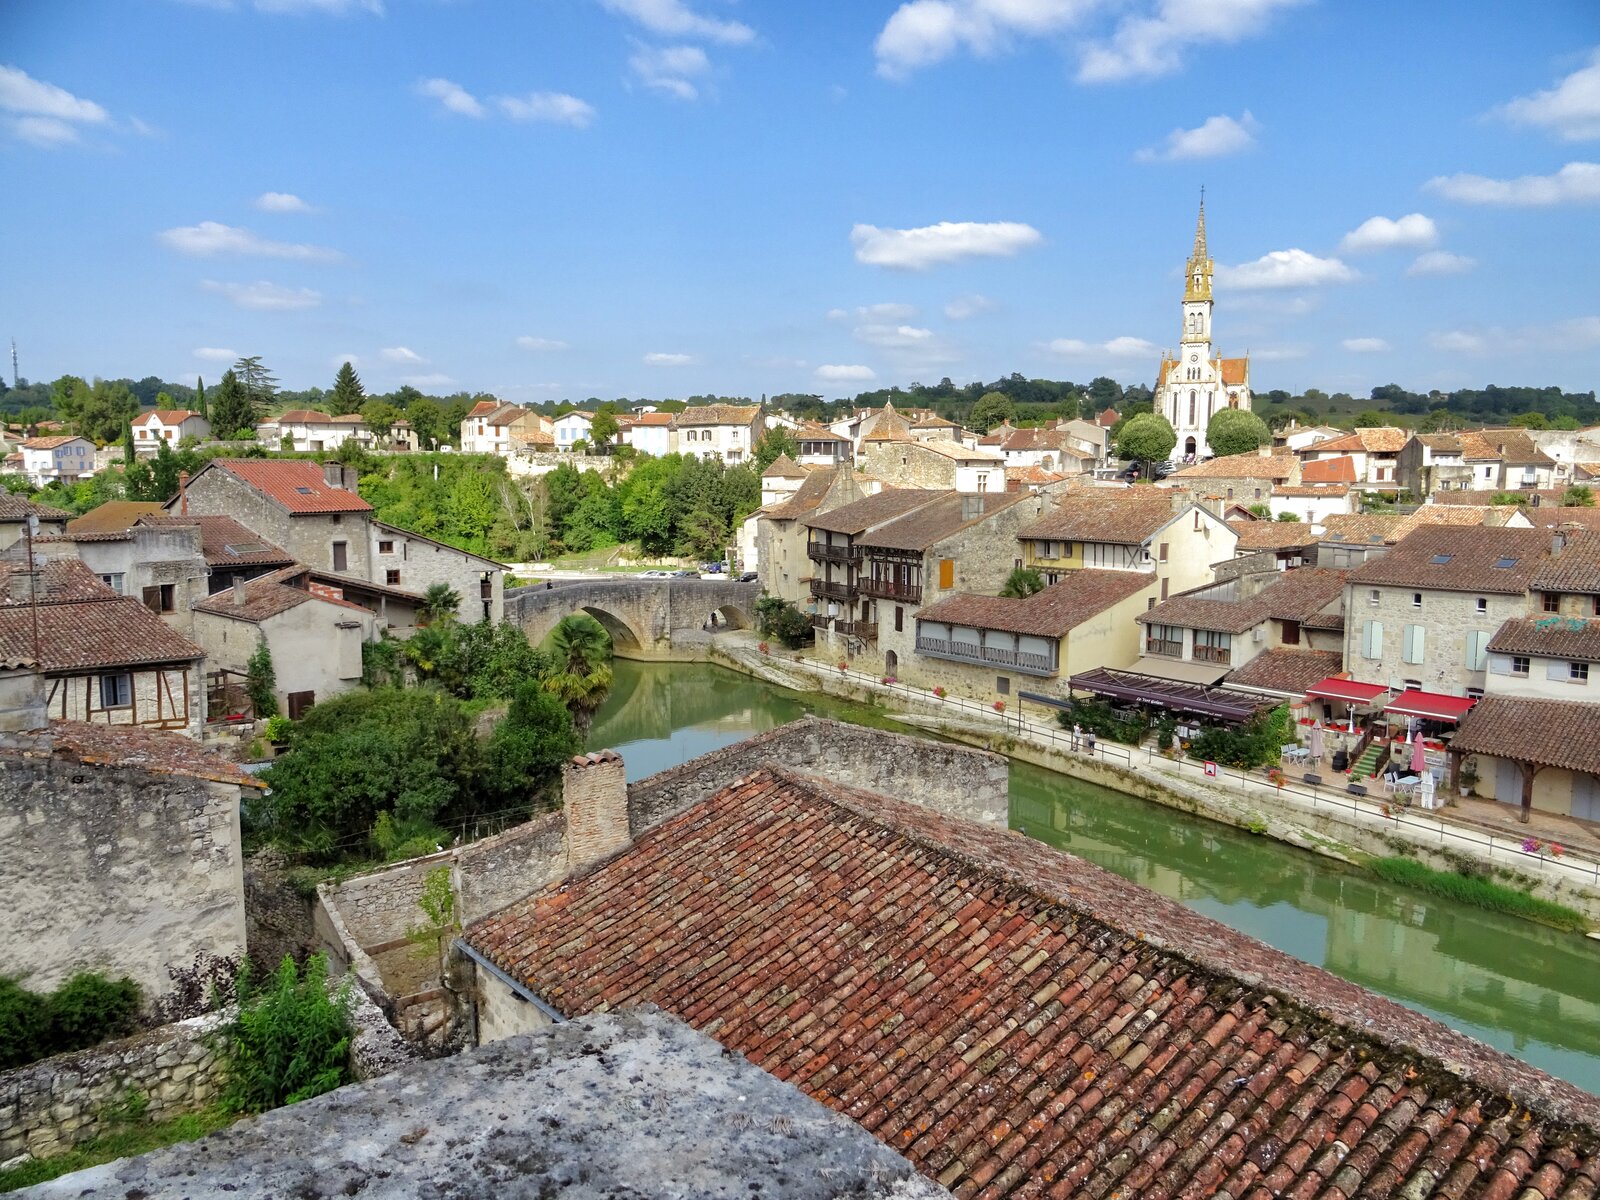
[439, 602]
[581, 674]
[1022, 582]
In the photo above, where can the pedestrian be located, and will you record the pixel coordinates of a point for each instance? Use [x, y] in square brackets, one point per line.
[1089, 740]
[1077, 734]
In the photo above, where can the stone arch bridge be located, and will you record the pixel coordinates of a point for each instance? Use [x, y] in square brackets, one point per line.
[640, 614]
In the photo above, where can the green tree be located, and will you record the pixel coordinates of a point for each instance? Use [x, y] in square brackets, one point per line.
[348, 394]
[128, 454]
[440, 602]
[992, 409]
[1235, 431]
[260, 385]
[581, 674]
[777, 440]
[200, 396]
[428, 422]
[232, 414]
[1578, 496]
[1104, 392]
[1146, 438]
[603, 428]
[380, 417]
[98, 411]
[529, 745]
[260, 680]
[780, 619]
[1022, 582]
[1369, 419]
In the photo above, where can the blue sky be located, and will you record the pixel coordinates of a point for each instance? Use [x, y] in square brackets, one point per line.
[555, 199]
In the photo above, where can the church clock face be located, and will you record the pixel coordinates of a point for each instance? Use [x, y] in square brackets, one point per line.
[1194, 358]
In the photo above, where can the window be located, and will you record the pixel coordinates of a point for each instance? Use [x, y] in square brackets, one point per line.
[1519, 665]
[1002, 684]
[1552, 602]
[385, 547]
[1212, 647]
[1164, 551]
[116, 691]
[159, 598]
[1440, 560]
[337, 519]
[1483, 604]
[1505, 564]
[1597, 606]
[1578, 672]
[341, 556]
[899, 619]
[1164, 640]
[391, 577]
[1416, 599]
[1372, 597]
[113, 581]
[1474, 693]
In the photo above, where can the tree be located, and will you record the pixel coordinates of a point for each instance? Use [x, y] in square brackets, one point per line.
[439, 603]
[200, 395]
[348, 394]
[530, 743]
[260, 384]
[1105, 392]
[1022, 582]
[127, 445]
[777, 440]
[1146, 438]
[99, 411]
[380, 417]
[581, 677]
[260, 678]
[603, 428]
[779, 619]
[1578, 496]
[428, 422]
[992, 409]
[232, 414]
[1235, 431]
[1367, 418]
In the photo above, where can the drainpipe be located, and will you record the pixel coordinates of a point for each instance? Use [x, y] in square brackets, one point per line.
[519, 990]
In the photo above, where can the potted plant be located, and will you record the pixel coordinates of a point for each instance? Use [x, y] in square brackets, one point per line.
[763, 647]
[999, 706]
[939, 692]
[843, 666]
[1468, 779]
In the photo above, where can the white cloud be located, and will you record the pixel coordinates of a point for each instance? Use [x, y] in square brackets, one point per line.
[1441, 262]
[1575, 183]
[948, 241]
[435, 380]
[1286, 269]
[42, 113]
[452, 96]
[673, 18]
[1380, 233]
[964, 308]
[282, 202]
[217, 354]
[845, 373]
[922, 32]
[1117, 347]
[403, 354]
[1218, 136]
[670, 69]
[338, 360]
[1570, 110]
[1458, 340]
[558, 108]
[1365, 345]
[211, 238]
[540, 344]
[1154, 44]
[262, 296]
[1575, 334]
[887, 311]
[894, 337]
[657, 359]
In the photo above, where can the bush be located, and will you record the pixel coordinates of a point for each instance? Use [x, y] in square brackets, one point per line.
[529, 745]
[205, 985]
[24, 1025]
[779, 619]
[1097, 717]
[291, 1039]
[87, 1009]
[260, 678]
[1256, 743]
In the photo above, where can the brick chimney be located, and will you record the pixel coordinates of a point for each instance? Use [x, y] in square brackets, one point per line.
[594, 792]
[183, 493]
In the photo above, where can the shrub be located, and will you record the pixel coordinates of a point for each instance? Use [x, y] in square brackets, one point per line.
[1097, 717]
[259, 680]
[779, 619]
[206, 984]
[291, 1039]
[278, 727]
[1166, 730]
[91, 1008]
[1257, 742]
[24, 1025]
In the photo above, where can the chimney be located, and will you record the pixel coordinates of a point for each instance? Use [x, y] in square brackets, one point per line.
[22, 584]
[183, 493]
[1558, 542]
[594, 793]
[333, 475]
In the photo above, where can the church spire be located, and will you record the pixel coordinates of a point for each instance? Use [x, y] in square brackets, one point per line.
[1197, 284]
[1200, 231]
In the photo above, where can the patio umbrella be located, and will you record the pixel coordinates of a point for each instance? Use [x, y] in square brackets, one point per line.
[1417, 761]
[1352, 718]
[1316, 742]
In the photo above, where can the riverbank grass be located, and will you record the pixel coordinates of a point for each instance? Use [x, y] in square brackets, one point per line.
[120, 1143]
[1477, 891]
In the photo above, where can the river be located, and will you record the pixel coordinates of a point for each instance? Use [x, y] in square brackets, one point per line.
[1532, 991]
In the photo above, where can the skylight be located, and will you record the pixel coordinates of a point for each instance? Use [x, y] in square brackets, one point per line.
[1503, 563]
[1439, 560]
[304, 491]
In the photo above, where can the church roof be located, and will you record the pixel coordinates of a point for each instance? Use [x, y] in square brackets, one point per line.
[1234, 370]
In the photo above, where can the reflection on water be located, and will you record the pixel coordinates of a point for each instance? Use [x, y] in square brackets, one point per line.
[1529, 990]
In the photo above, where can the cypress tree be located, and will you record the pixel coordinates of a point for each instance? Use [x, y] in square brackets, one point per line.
[200, 395]
[127, 445]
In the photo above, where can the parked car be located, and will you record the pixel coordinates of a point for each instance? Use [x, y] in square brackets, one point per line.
[712, 568]
[747, 577]
[686, 573]
[655, 574]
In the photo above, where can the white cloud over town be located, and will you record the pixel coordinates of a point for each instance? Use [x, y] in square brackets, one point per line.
[209, 239]
[403, 354]
[947, 242]
[42, 113]
[452, 97]
[1285, 269]
[281, 202]
[670, 69]
[1152, 39]
[1117, 347]
[893, 337]
[216, 354]
[660, 359]
[845, 373]
[1381, 233]
[556, 108]
[263, 296]
[964, 308]
[1216, 137]
[1570, 110]
[541, 344]
[1575, 183]
[1440, 262]
[1365, 345]
[673, 18]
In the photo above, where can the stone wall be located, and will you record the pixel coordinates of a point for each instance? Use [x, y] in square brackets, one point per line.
[115, 869]
[640, 614]
[1445, 618]
[49, 1106]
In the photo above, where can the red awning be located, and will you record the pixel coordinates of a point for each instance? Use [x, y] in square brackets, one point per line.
[1435, 706]
[1346, 690]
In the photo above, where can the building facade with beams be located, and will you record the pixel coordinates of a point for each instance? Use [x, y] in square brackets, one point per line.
[1197, 383]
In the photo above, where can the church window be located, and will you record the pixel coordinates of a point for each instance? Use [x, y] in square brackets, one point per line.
[1191, 406]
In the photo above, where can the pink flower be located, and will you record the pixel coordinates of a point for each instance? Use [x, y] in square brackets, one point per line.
[1530, 846]
[999, 706]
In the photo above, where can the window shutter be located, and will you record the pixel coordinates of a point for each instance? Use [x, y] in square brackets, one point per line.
[1500, 664]
[1555, 670]
[1416, 637]
[947, 572]
[1478, 651]
[1372, 639]
[152, 598]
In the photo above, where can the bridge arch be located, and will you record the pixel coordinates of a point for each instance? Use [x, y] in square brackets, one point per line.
[734, 616]
[622, 634]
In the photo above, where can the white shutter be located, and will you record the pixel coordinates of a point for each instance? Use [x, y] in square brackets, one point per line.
[1372, 639]
[1478, 652]
[1416, 636]
[1555, 669]
[1500, 664]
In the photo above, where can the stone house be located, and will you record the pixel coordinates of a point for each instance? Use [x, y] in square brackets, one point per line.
[934, 464]
[1375, 452]
[59, 458]
[724, 431]
[16, 510]
[991, 646]
[782, 479]
[170, 425]
[232, 553]
[1141, 529]
[1291, 543]
[1349, 541]
[934, 428]
[161, 566]
[647, 432]
[503, 429]
[835, 555]
[315, 640]
[413, 562]
[1247, 479]
[308, 430]
[1052, 449]
[1312, 503]
[1421, 617]
[956, 542]
[1295, 437]
[1538, 754]
[779, 536]
[1434, 462]
[106, 659]
[819, 446]
[123, 853]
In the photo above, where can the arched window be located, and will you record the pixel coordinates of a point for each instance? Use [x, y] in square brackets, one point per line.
[1191, 405]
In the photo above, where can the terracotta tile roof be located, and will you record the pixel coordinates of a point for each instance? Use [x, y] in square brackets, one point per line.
[861, 515]
[1234, 370]
[1243, 466]
[1032, 475]
[816, 433]
[1511, 446]
[1380, 439]
[1484, 497]
[1471, 559]
[1376, 529]
[507, 414]
[354, 420]
[153, 750]
[655, 418]
[1018, 1022]
[889, 427]
[1125, 516]
[934, 422]
[111, 516]
[719, 414]
[956, 451]
[62, 581]
[1550, 733]
[1318, 489]
[1052, 613]
[303, 416]
[166, 416]
[266, 596]
[1549, 636]
[1329, 470]
[1552, 516]
[1106, 417]
[50, 443]
[114, 632]
[932, 523]
[784, 467]
[1576, 568]
[1272, 535]
[807, 498]
[996, 435]
[296, 484]
[1332, 621]
[1286, 670]
[19, 508]
[226, 543]
[1022, 440]
[482, 409]
[1292, 596]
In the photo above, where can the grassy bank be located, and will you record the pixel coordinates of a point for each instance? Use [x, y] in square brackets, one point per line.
[123, 1143]
[1479, 892]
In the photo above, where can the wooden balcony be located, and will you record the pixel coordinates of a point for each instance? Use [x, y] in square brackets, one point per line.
[823, 552]
[825, 589]
[889, 589]
[1018, 660]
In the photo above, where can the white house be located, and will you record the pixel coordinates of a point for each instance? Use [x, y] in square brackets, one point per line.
[309, 430]
[503, 429]
[66, 458]
[170, 425]
[571, 427]
[647, 432]
[725, 431]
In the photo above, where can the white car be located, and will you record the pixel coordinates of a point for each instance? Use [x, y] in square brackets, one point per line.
[655, 574]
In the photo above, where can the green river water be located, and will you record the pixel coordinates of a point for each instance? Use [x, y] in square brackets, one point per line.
[1532, 991]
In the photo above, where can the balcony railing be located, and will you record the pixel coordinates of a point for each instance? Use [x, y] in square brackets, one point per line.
[890, 589]
[1021, 660]
[823, 552]
[832, 590]
[1213, 654]
[1164, 649]
[866, 630]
